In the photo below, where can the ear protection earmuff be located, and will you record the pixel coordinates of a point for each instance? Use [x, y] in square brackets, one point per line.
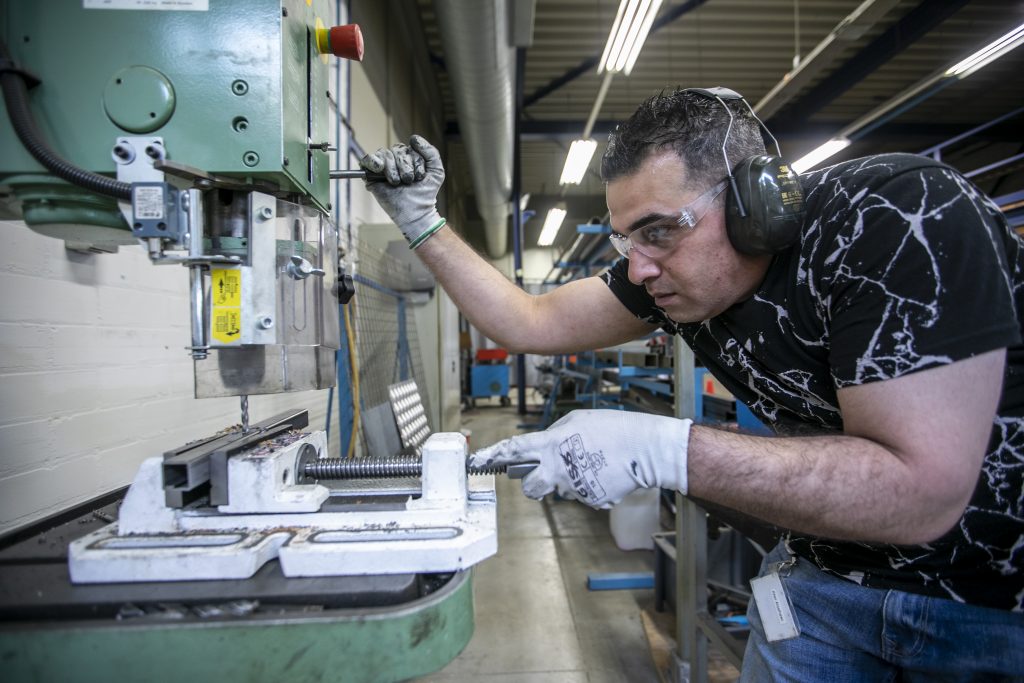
[765, 206]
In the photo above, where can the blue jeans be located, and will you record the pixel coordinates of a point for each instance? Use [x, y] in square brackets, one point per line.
[854, 634]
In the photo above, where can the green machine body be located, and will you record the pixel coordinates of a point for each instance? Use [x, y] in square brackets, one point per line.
[236, 88]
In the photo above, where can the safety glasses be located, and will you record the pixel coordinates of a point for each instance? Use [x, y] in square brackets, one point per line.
[659, 239]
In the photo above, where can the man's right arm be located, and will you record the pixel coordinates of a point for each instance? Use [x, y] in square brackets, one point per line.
[580, 315]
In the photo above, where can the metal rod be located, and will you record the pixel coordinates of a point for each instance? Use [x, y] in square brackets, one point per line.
[517, 213]
[354, 174]
[403, 466]
[1002, 162]
[690, 656]
[942, 145]
[191, 201]
[348, 174]
[589, 128]
[822, 56]
[197, 319]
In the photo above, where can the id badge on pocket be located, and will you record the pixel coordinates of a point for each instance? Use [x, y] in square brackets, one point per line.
[777, 615]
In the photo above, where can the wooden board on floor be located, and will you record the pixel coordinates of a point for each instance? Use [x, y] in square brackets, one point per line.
[659, 628]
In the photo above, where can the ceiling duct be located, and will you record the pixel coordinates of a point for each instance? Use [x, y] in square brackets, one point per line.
[481, 65]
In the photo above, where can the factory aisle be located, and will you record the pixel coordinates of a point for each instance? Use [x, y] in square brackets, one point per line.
[536, 622]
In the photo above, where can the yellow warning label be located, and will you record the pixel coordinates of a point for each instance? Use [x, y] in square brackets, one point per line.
[226, 287]
[226, 324]
[226, 305]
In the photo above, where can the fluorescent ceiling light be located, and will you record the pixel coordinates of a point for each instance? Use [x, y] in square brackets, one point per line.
[616, 36]
[576, 162]
[989, 53]
[645, 28]
[632, 24]
[551, 225]
[820, 154]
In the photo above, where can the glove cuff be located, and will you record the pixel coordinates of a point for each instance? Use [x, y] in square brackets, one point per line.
[418, 229]
[428, 232]
[682, 481]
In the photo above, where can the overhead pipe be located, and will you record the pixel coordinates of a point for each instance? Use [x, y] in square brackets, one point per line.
[905, 101]
[481, 65]
[517, 213]
[852, 27]
[892, 42]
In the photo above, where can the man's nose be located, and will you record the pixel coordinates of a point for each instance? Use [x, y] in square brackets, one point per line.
[641, 268]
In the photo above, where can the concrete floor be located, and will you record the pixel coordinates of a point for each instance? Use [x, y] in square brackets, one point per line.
[536, 622]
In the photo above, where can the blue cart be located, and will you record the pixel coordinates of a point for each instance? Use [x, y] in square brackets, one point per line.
[490, 380]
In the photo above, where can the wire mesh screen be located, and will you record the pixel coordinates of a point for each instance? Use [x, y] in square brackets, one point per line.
[387, 343]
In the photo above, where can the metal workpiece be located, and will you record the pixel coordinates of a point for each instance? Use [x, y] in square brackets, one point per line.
[401, 466]
[195, 469]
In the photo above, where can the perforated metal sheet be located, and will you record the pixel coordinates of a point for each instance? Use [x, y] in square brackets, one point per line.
[409, 414]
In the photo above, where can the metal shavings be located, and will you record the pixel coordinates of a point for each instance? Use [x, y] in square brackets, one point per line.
[280, 441]
[236, 608]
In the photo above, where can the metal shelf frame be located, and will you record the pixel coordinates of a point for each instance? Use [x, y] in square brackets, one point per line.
[695, 626]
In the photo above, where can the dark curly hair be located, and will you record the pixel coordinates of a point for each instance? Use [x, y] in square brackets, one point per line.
[691, 124]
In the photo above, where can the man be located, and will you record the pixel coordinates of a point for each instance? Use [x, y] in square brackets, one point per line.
[875, 346]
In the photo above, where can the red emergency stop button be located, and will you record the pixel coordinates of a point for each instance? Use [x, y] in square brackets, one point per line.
[345, 42]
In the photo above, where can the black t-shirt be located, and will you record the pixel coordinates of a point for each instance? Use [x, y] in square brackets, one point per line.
[903, 265]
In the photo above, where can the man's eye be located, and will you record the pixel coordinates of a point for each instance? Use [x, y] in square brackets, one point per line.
[657, 235]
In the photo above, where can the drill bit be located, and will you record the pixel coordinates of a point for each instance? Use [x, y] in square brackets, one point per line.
[245, 414]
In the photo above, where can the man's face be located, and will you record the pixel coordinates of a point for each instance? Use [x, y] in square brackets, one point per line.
[703, 275]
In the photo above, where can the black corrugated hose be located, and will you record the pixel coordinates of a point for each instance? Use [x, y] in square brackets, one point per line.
[16, 99]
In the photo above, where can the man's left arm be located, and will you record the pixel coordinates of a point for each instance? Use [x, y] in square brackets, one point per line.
[902, 472]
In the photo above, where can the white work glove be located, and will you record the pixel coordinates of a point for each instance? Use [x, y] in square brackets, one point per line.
[412, 176]
[597, 456]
